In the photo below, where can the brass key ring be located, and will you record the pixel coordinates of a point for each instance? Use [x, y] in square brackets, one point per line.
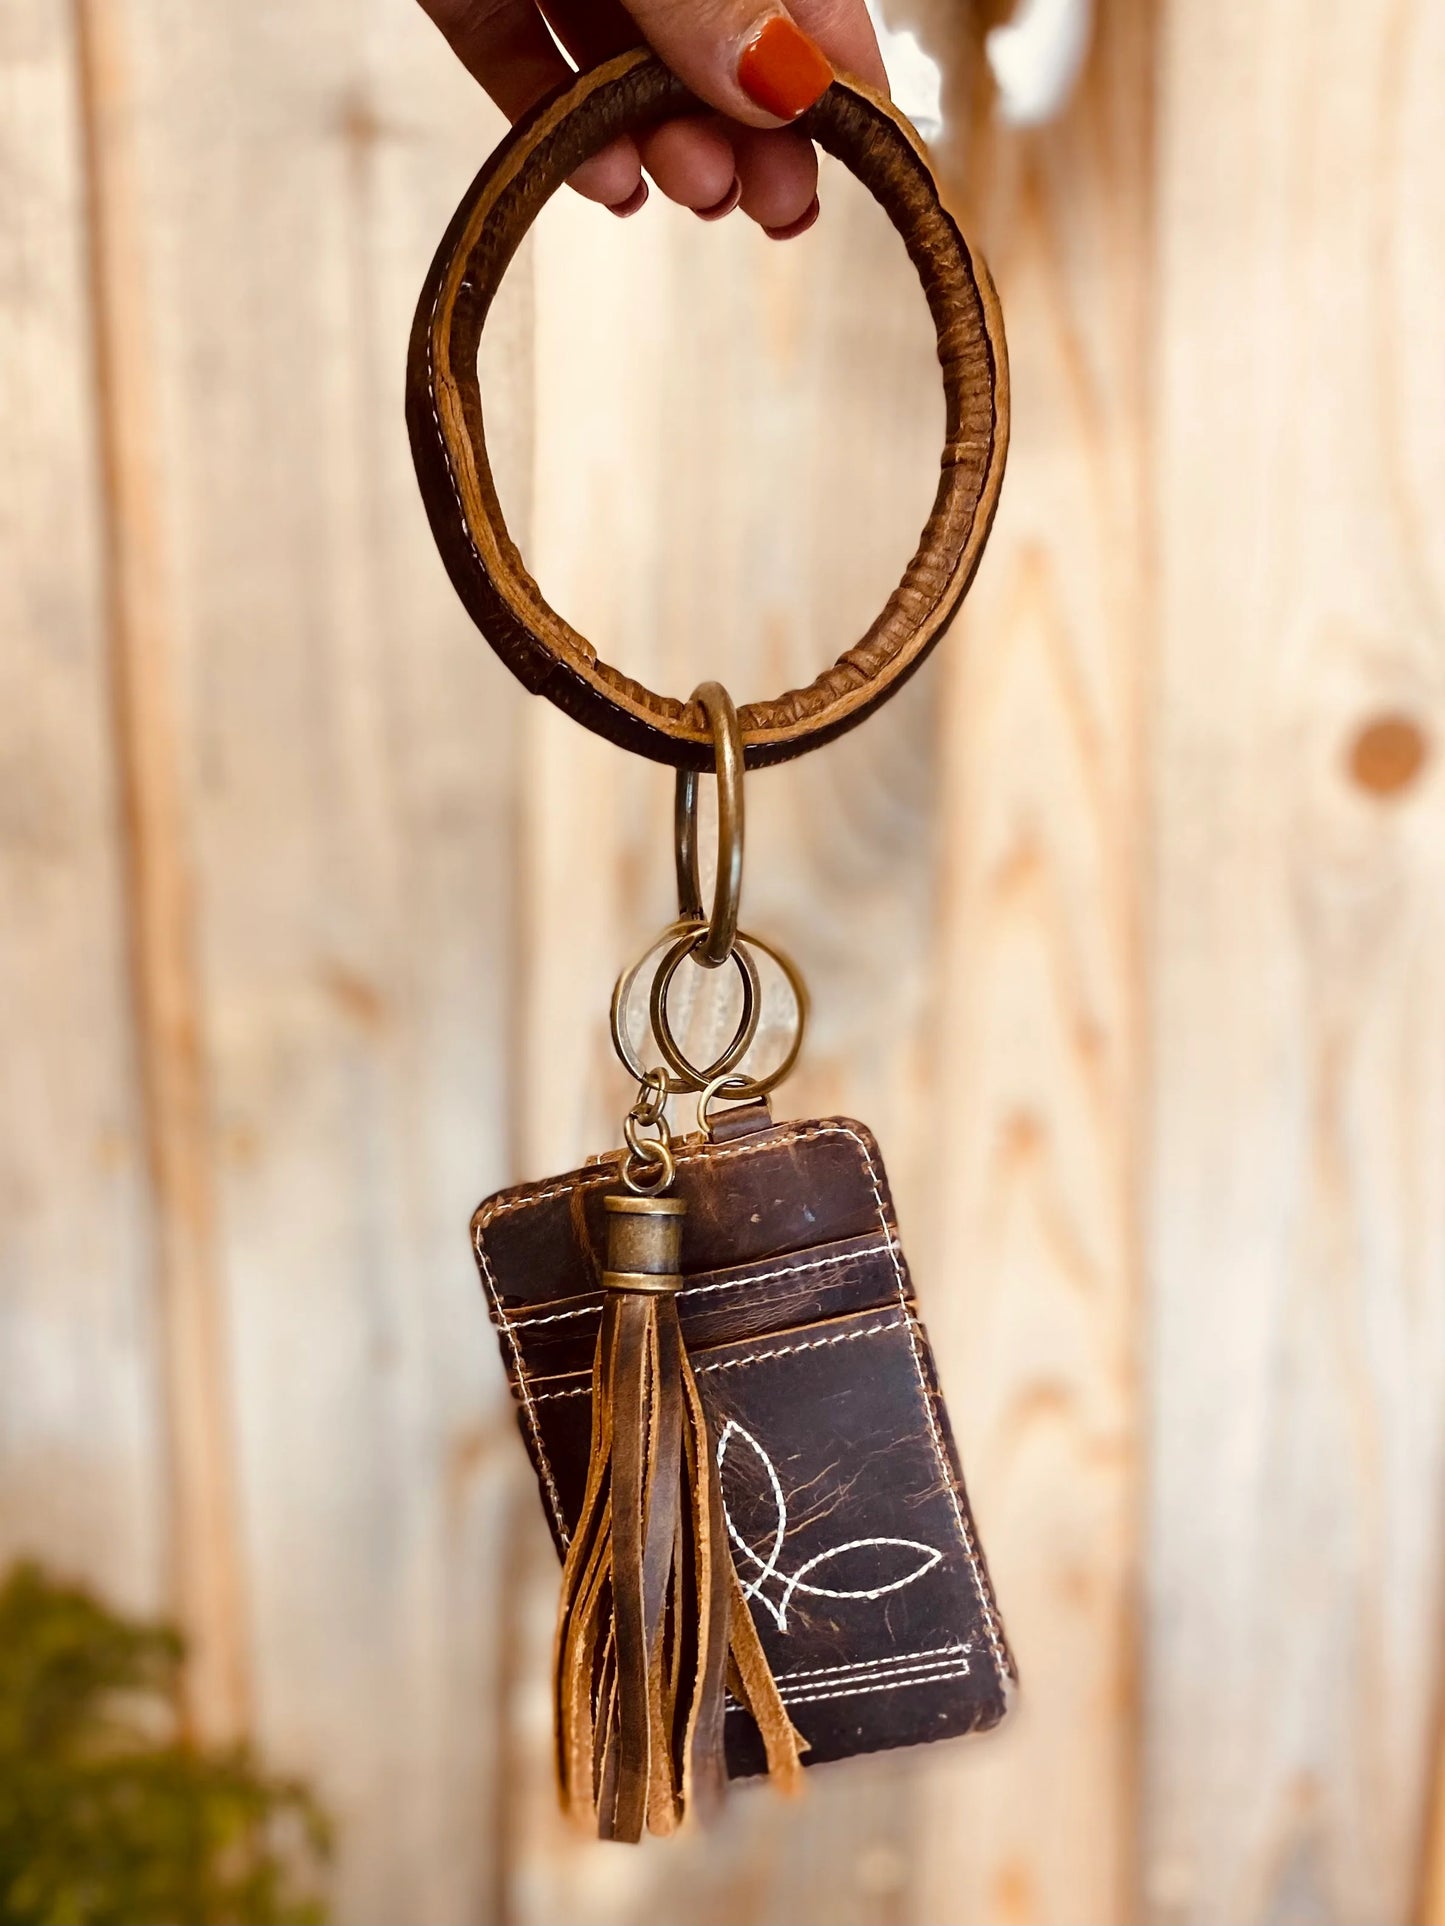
[689, 1076]
[729, 1085]
[727, 738]
[747, 1026]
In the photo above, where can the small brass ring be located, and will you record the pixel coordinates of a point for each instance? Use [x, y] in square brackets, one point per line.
[649, 1149]
[727, 748]
[691, 1078]
[649, 1106]
[622, 996]
[742, 1038]
[657, 1156]
[719, 1087]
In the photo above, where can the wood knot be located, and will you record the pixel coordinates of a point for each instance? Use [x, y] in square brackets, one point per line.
[1388, 754]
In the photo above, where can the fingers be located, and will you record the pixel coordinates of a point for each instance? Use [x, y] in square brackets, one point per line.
[696, 161]
[712, 166]
[760, 65]
[505, 45]
[691, 160]
[778, 175]
[693, 163]
[747, 58]
[844, 31]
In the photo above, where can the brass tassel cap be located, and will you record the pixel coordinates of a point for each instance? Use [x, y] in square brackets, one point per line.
[653, 1627]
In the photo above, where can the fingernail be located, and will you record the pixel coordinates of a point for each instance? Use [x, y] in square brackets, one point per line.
[725, 206]
[635, 200]
[781, 70]
[794, 228]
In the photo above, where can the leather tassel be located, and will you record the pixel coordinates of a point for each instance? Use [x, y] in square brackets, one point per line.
[653, 1629]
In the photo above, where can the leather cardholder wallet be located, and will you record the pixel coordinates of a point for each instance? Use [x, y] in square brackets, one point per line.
[845, 1506]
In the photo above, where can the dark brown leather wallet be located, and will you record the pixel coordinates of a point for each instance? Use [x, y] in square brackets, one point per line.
[845, 1507]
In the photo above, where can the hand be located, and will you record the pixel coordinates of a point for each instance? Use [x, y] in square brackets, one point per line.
[756, 64]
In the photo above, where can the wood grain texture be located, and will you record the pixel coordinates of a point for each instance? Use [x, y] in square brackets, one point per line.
[1429, 1899]
[1297, 1202]
[205, 1587]
[1036, 981]
[343, 793]
[81, 1451]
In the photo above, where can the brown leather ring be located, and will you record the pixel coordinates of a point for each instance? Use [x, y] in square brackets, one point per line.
[444, 417]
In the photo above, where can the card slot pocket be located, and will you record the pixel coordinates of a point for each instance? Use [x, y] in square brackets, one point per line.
[846, 1522]
[557, 1405]
[788, 1189]
[731, 1349]
[738, 1302]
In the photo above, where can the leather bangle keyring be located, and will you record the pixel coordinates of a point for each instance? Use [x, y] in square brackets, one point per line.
[726, 1532]
[445, 420]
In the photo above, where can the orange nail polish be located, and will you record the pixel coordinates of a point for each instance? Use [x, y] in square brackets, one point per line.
[781, 70]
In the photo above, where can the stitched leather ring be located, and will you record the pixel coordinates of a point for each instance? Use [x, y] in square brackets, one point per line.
[445, 420]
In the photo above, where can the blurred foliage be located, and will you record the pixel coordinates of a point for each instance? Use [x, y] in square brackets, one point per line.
[107, 1816]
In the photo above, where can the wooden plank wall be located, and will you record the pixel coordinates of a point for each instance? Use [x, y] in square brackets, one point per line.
[82, 1455]
[1123, 925]
[1036, 1295]
[1297, 1209]
[320, 792]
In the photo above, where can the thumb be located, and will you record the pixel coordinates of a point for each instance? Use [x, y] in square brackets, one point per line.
[748, 58]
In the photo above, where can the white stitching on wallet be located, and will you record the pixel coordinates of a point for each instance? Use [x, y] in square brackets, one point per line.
[965, 1537]
[959, 1671]
[733, 1364]
[591, 1306]
[786, 1350]
[553, 1496]
[900, 1660]
[848, 1690]
[607, 1173]
[793, 1582]
[525, 1323]
[608, 1176]
[573, 1391]
[486, 1217]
